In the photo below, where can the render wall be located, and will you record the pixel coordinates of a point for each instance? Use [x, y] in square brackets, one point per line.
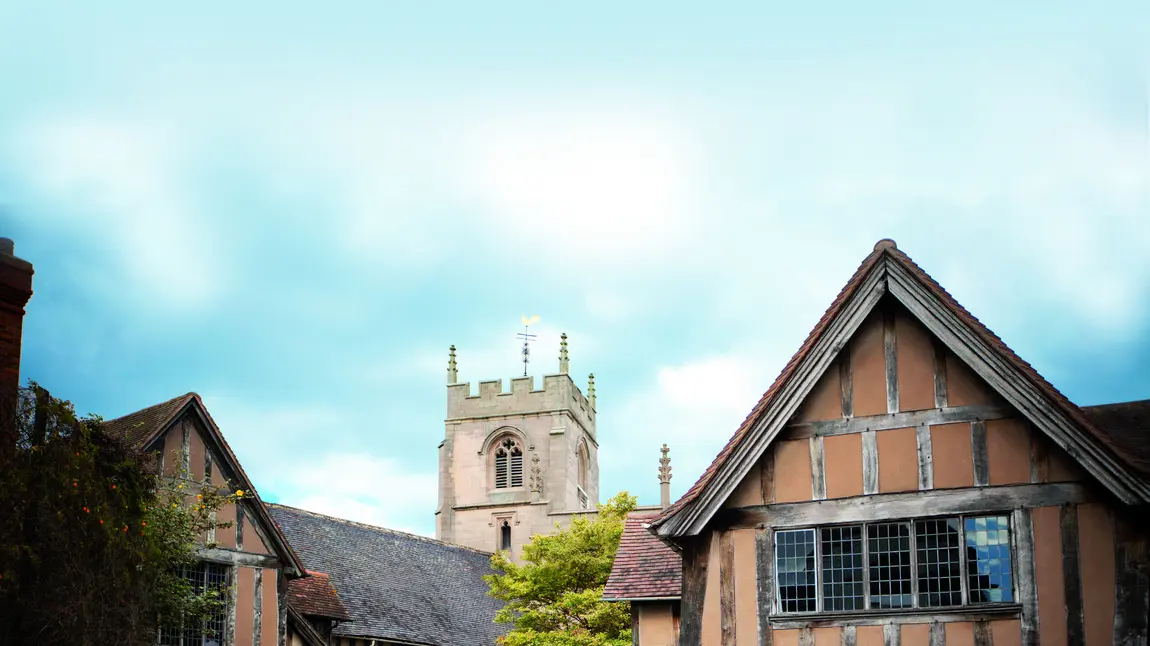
[937, 443]
[655, 623]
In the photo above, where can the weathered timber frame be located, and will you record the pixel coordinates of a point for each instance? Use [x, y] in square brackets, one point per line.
[890, 275]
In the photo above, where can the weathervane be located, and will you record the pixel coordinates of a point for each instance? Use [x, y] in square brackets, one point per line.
[527, 339]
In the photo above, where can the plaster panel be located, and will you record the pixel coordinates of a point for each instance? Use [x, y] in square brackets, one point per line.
[269, 624]
[656, 624]
[173, 439]
[749, 492]
[960, 633]
[746, 586]
[915, 364]
[1006, 632]
[869, 636]
[897, 460]
[826, 400]
[953, 461]
[1097, 569]
[790, 637]
[915, 634]
[1008, 451]
[868, 368]
[828, 636]
[963, 387]
[195, 453]
[1048, 576]
[245, 605]
[792, 471]
[842, 465]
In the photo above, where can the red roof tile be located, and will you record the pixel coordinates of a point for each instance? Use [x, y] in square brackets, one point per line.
[315, 596]
[141, 425]
[888, 249]
[644, 567]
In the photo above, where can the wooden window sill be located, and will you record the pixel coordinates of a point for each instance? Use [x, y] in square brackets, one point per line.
[988, 611]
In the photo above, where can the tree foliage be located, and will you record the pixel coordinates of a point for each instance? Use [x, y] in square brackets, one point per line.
[94, 541]
[555, 597]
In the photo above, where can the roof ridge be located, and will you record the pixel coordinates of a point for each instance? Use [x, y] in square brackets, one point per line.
[186, 396]
[378, 528]
[1122, 403]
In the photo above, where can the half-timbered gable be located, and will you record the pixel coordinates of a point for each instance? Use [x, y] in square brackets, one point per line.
[251, 558]
[908, 479]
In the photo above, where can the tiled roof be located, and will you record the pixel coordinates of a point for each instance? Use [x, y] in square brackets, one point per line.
[888, 249]
[141, 425]
[644, 566]
[397, 586]
[1128, 425]
[315, 596]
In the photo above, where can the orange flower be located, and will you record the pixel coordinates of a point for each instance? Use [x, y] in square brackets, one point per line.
[101, 521]
[199, 496]
[113, 486]
[239, 493]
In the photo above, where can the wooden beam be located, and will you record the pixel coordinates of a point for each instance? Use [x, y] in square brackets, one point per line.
[890, 352]
[727, 589]
[883, 422]
[240, 525]
[845, 378]
[849, 636]
[982, 634]
[235, 559]
[978, 450]
[818, 477]
[282, 605]
[765, 557]
[1132, 589]
[696, 551]
[635, 625]
[870, 462]
[258, 607]
[907, 505]
[895, 617]
[891, 634]
[937, 634]
[925, 457]
[806, 636]
[1025, 583]
[767, 478]
[185, 450]
[940, 395]
[1071, 577]
[233, 595]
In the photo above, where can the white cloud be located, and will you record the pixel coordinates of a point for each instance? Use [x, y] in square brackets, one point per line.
[120, 183]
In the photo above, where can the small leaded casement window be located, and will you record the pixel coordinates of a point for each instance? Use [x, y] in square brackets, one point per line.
[203, 576]
[894, 565]
[508, 465]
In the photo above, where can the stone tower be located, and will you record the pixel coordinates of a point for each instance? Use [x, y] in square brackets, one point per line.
[513, 464]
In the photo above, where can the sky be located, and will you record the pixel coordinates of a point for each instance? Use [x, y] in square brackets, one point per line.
[293, 209]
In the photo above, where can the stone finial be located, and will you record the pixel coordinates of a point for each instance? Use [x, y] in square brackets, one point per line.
[665, 478]
[591, 389]
[452, 369]
[563, 360]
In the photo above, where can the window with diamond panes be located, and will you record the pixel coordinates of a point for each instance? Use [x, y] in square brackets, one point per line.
[927, 563]
[210, 632]
[795, 570]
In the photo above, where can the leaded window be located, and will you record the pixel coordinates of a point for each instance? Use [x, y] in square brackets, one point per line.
[210, 632]
[894, 565]
[508, 464]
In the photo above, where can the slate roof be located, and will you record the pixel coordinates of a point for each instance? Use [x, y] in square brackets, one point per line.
[1128, 425]
[644, 568]
[397, 586]
[887, 248]
[315, 596]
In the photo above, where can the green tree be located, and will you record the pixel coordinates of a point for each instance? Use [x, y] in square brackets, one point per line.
[94, 542]
[555, 597]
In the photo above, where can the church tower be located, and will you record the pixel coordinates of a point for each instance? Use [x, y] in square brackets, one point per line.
[516, 463]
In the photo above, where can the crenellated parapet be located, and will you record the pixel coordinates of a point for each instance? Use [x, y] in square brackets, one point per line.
[558, 394]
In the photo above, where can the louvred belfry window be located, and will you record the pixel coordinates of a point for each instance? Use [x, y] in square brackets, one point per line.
[508, 465]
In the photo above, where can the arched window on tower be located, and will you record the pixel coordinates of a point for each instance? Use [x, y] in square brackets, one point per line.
[583, 460]
[508, 465]
[505, 536]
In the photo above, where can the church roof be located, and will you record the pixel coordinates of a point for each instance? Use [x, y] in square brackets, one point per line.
[887, 270]
[644, 567]
[397, 586]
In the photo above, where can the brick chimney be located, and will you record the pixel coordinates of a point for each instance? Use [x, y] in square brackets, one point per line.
[15, 290]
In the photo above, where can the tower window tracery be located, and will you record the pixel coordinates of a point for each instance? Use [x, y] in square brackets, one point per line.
[508, 464]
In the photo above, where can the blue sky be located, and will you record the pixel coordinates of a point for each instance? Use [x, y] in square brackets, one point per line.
[294, 211]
